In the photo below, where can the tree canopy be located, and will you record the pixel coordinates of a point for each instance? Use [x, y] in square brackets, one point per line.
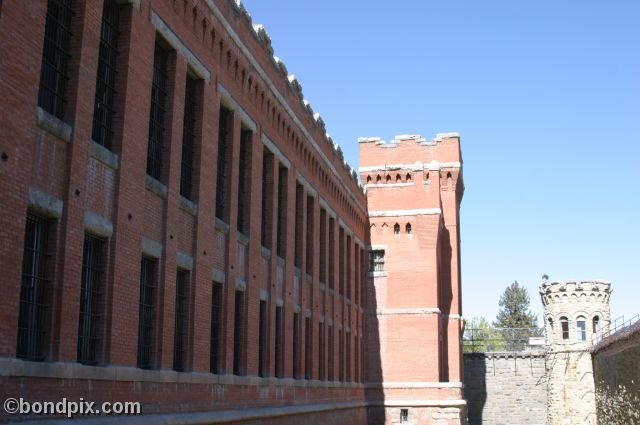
[514, 309]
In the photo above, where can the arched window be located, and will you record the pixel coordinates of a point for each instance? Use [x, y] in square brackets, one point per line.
[388, 178]
[408, 177]
[378, 179]
[596, 324]
[550, 324]
[396, 229]
[407, 228]
[581, 325]
[368, 179]
[398, 178]
[564, 323]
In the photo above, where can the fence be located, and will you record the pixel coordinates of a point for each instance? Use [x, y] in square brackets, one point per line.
[486, 340]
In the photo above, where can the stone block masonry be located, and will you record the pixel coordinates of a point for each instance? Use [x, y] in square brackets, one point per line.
[506, 388]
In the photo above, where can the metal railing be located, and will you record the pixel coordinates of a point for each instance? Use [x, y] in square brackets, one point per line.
[616, 325]
[486, 340]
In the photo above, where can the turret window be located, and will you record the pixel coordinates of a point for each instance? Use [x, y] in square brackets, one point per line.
[564, 323]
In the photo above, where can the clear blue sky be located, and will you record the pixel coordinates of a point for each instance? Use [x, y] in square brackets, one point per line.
[546, 96]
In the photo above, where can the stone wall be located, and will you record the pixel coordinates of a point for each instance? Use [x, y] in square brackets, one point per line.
[506, 388]
[616, 365]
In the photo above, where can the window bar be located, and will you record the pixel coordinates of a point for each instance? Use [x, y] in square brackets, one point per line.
[146, 312]
[90, 298]
[180, 335]
[157, 114]
[188, 137]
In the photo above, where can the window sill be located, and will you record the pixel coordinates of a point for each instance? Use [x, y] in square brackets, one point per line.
[188, 206]
[266, 252]
[53, 125]
[377, 274]
[104, 155]
[221, 226]
[156, 186]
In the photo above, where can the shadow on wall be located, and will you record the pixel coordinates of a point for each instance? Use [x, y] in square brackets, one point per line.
[445, 298]
[374, 394]
[475, 383]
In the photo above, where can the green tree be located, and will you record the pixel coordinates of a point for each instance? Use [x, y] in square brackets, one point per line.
[514, 309]
[480, 337]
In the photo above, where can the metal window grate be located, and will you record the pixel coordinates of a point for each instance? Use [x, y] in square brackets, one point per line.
[341, 261]
[310, 251]
[376, 260]
[297, 258]
[307, 349]
[321, 352]
[267, 195]
[279, 358]
[33, 320]
[155, 145]
[348, 359]
[262, 340]
[323, 245]
[244, 181]
[224, 138]
[330, 352]
[188, 137]
[238, 334]
[331, 249]
[103, 111]
[340, 356]
[146, 315]
[55, 57]
[90, 299]
[296, 346]
[281, 233]
[180, 335]
[216, 327]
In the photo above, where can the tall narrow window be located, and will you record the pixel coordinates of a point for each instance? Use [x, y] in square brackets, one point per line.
[188, 136]
[238, 334]
[341, 261]
[244, 181]
[182, 314]
[348, 360]
[581, 325]
[310, 228]
[103, 111]
[296, 346]
[225, 134]
[283, 174]
[216, 328]
[321, 352]
[340, 356]
[90, 299]
[596, 324]
[155, 145]
[297, 258]
[308, 373]
[35, 291]
[323, 245]
[564, 323]
[348, 281]
[279, 358]
[262, 340]
[356, 273]
[267, 196]
[55, 57]
[146, 313]
[330, 353]
[332, 254]
[356, 359]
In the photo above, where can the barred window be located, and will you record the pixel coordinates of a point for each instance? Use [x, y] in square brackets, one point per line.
[281, 244]
[146, 313]
[188, 137]
[35, 291]
[376, 260]
[103, 111]
[308, 374]
[262, 340]
[332, 255]
[216, 328]
[267, 196]
[55, 57]
[225, 132]
[348, 378]
[92, 288]
[279, 357]
[323, 245]
[341, 261]
[238, 334]
[155, 145]
[244, 181]
[340, 356]
[297, 258]
[182, 314]
[296, 346]
[310, 251]
[330, 351]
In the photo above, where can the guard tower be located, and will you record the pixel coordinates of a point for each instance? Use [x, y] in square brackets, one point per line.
[576, 314]
[414, 367]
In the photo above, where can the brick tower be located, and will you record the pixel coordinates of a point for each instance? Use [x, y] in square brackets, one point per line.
[414, 188]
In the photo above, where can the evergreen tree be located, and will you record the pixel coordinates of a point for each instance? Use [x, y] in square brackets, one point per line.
[514, 309]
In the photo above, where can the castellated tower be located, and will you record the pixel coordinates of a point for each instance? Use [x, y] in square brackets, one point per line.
[414, 366]
[575, 314]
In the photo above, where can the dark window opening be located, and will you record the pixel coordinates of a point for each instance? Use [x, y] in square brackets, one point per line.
[331, 251]
[55, 58]
[188, 137]
[281, 233]
[349, 260]
[310, 228]
[35, 290]
[321, 352]
[238, 334]
[90, 300]
[341, 261]
[262, 340]
[564, 323]
[146, 313]
[157, 114]
[348, 368]
[225, 134]
[103, 109]
[323, 245]
[182, 314]
[596, 324]
[376, 260]
[330, 353]
[396, 229]
[296, 346]
[297, 258]
[244, 181]
[581, 325]
[407, 228]
[267, 196]
[279, 358]
[308, 374]
[216, 328]
[404, 415]
[340, 356]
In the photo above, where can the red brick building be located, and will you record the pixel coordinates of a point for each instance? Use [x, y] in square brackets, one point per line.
[178, 229]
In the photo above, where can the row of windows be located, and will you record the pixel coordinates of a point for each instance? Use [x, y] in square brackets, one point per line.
[581, 327]
[35, 316]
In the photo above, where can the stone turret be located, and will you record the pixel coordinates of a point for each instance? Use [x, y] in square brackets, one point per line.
[575, 314]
